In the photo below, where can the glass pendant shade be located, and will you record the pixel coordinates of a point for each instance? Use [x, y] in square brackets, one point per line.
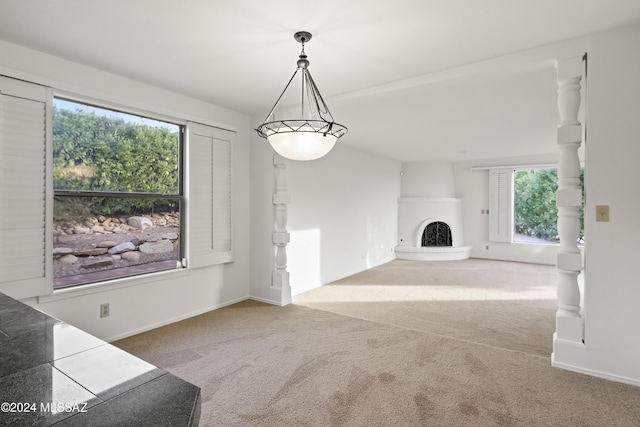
[302, 145]
[311, 134]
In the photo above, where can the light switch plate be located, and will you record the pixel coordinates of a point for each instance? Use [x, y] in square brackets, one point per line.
[602, 213]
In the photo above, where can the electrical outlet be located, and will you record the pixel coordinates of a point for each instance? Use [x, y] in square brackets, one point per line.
[104, 310]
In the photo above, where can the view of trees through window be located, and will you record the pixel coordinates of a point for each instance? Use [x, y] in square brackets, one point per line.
[535, 210]
[117, 194]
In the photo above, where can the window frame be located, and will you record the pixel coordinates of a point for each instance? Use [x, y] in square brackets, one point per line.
[507, 196]
[179, 196]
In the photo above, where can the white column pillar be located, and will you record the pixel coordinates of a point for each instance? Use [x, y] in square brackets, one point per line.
[281, 198]
[569, 323]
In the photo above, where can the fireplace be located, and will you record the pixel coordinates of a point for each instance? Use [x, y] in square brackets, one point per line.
[430, 229]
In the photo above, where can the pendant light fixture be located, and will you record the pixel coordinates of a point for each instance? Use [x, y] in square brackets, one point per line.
[311, 134]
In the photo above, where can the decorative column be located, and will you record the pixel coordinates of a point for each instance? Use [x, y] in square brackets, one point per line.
[281, 198]
[569, 323]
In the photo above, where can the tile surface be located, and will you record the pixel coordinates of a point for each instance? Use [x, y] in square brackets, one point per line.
[164, 401]
[36, 394]
[54, 373]
[106, 370]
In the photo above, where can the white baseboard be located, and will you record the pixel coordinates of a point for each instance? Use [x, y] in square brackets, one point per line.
[267, 301]
[594, 373]
[174, 319]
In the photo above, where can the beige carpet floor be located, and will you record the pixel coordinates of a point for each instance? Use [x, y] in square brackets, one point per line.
[506, 304]
[461, 343]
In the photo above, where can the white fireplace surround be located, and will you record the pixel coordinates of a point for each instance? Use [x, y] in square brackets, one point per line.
[415, 214]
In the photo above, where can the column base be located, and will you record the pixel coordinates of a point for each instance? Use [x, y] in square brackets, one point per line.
[567, 354]
[569, 328]
[280, 281]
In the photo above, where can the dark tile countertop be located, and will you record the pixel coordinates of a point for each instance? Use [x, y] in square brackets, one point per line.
[54, 374]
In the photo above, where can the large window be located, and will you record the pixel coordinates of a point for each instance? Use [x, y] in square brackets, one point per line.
[117, 181]
[523, 205]
[535, 213]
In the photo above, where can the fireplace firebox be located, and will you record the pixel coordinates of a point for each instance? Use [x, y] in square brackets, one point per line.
[437, 234]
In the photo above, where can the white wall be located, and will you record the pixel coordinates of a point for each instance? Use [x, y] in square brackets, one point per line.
[143, 303]
[428, 179]
[342, 217]
[612, 175]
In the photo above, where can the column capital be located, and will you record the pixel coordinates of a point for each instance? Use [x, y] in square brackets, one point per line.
[569, 68]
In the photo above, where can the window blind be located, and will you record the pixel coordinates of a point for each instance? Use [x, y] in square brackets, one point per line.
[25, 253]
[500, 212]
[209, 154]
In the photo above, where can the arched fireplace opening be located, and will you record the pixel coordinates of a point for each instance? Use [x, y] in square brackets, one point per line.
[437, 234]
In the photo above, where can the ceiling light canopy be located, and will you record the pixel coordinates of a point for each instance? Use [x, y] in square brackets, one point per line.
[312, 132]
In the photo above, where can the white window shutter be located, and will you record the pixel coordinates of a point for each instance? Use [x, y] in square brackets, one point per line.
[25, 189]
[501, 205]
[208, 195]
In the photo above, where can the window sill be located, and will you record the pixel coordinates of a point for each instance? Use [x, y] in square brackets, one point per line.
[536, 243]
[553, 244]
[110, 285]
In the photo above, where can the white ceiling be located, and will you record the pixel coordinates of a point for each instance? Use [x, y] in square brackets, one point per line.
[413, 80]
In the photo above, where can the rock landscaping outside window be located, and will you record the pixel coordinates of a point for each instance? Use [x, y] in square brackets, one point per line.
[103, 248]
